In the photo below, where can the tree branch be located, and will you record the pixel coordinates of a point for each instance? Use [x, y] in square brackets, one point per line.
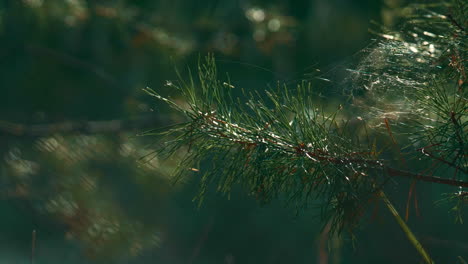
[9, 129]
[323, 156]
[433, 179]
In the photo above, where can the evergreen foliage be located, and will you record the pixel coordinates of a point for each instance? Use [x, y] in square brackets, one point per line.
[419, 72]
[71, 78]
[282, 145]
[411, 86]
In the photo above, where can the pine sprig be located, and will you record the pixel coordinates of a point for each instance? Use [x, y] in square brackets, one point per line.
[281, 144]
[277, 145]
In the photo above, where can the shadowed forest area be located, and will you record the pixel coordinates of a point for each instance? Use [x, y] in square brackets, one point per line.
[79, 183]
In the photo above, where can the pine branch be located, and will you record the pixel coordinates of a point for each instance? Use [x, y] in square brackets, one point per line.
[9, 129]
[280, 144]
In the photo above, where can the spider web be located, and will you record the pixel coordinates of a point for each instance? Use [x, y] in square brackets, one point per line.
[393, 74]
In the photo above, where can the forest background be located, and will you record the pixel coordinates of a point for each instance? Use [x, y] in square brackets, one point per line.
[74, 178]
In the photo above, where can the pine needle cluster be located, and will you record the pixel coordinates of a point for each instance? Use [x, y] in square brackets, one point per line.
[282, 144]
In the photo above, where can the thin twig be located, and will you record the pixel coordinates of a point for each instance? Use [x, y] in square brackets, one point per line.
[89, 127]
[33, 245]
[409, 234]
[451, 164]
[455, 23]
[433, 179]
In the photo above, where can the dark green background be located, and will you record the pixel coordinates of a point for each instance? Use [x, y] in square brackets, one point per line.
[82, 61]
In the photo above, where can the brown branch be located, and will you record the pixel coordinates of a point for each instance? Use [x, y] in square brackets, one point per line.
[421, 177]
[455, 22]
[451, 164]
[8, 129]
[323, 156]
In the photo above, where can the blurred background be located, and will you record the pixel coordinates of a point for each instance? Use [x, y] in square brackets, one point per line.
[74, 173]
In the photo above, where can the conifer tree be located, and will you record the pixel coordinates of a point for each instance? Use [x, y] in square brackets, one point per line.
[404, 115]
